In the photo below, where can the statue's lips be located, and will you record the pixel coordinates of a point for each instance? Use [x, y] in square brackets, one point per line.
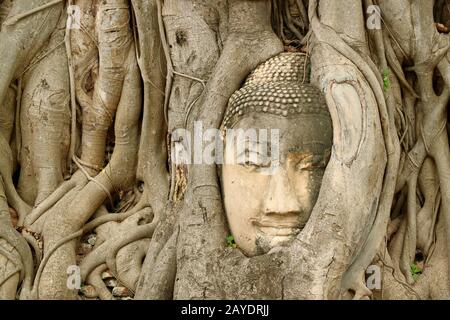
[279, 231]
[279, 225]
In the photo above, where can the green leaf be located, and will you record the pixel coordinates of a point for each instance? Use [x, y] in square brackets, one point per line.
[230, 241]
[415, 271]
[386, 81]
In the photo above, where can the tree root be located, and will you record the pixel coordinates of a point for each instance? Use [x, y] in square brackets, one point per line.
[78, 179]
[9, 276]
[14, 239]
[427, 216]
[35, 31]
[35, 291]
[34, 244]
[380, 208]
[16, 261]
[129, 263]
[6, 166]
[141, 232]
[160, 285]
[160, 238]
[95, 279]
[116, 217]
[107, 251]
[45, 105]
[152, 162]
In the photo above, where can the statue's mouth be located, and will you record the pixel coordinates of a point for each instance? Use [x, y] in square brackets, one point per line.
[279, 225]
[279, 231]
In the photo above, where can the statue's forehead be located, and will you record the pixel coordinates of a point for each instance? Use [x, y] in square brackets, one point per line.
[305, 123]
[306, 133]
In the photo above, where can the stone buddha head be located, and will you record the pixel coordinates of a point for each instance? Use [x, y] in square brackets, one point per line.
[268, 208]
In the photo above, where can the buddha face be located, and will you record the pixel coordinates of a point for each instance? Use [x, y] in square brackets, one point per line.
[268, 208]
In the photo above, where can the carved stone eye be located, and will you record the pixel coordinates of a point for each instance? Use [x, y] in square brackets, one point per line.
[310, 163]
[253, 160]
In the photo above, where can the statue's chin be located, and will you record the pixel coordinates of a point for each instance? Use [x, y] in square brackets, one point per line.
[269, 238]
[282, 240]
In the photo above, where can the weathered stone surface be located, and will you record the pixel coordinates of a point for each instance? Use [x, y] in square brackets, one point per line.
[121, 292]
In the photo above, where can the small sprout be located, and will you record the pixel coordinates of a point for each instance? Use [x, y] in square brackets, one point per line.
[416, 271]
[230, 241]
[386, 81]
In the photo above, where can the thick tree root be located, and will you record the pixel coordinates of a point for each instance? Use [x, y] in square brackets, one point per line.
[127, 234]
[129, 263]
[6, 166]
[141, 232]
[161, 282]
[119, 174]
[45, 105]
[34, 30]
[95, 279]
[14, 239]
[77, 180]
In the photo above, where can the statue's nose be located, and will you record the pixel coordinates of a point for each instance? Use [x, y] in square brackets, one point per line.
[281, 197]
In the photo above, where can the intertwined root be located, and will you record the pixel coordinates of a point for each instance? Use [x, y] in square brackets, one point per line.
[63, 208]
[116, 52]
[119, 174]
[15, 250]
[6, 172]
